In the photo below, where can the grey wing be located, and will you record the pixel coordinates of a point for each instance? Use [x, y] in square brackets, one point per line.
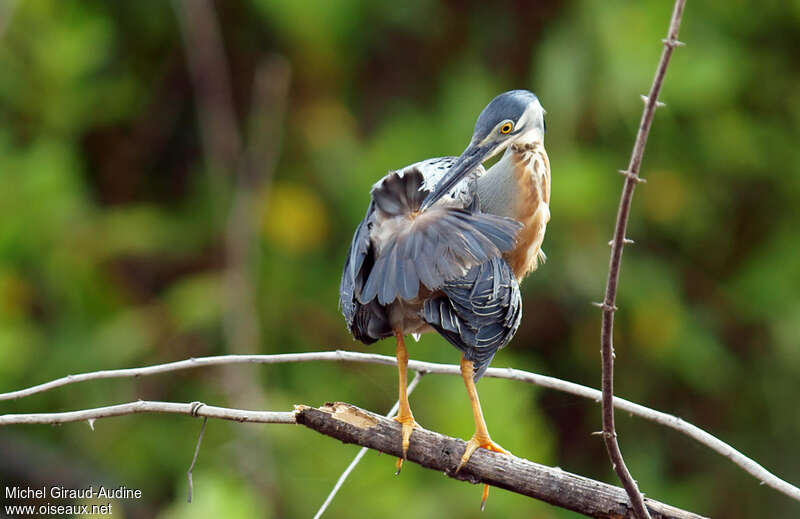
[430, 247]
[478, 313]
[369, 322]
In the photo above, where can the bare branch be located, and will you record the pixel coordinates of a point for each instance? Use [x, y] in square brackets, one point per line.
[673, 422]
[145, 406]
[442, 453]
[609, 301]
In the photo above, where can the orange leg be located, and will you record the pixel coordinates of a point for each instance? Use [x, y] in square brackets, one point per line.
[481, 437]
[404, 415]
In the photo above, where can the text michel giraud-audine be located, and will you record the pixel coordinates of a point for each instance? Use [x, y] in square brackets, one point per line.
[56, 492]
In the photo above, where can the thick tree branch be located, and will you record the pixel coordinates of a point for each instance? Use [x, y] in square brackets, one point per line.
[609, 301]
[436, 451]
[750, 466]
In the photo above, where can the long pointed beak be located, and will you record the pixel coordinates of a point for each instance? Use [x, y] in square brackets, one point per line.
[472, 157]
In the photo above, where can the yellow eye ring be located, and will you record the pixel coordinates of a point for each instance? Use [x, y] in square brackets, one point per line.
[506, 128]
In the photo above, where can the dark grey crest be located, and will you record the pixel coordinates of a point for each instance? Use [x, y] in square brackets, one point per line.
[507, 106]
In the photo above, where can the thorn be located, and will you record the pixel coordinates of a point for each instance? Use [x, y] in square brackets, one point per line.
[597, 433]
[91, 423]
[626, 241]
[659, 104]
[673, 42]
[606, 307]
[613, 355]
[633, 176]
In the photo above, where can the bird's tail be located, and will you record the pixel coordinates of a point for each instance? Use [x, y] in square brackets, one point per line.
[431, 247]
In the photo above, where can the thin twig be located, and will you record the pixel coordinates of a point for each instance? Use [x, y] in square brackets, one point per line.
[196, 452]
[363, 451]
[609, 301]
[673, 422]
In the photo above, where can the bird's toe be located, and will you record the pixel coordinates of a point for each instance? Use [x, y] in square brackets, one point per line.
[479, 442]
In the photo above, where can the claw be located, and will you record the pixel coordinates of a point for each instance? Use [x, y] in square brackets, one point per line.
[472, 445]
[409, 425]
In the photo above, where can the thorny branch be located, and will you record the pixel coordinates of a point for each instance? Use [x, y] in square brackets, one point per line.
[668, 420]
[609, 301]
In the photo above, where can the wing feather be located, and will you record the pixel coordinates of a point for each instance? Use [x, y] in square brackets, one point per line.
[478, 313]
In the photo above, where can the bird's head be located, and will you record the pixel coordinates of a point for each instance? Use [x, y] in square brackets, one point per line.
[512, 117]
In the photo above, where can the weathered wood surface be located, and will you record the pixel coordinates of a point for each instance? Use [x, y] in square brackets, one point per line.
[432, 450]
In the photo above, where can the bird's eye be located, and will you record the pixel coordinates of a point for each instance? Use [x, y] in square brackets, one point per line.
[506, 128]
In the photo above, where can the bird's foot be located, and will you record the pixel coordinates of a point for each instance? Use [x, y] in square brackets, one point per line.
[408, 425]
[484, 442]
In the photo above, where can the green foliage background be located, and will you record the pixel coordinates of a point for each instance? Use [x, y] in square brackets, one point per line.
[112, 244]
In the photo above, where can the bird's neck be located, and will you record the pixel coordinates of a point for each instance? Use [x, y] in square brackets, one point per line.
[498, 188]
